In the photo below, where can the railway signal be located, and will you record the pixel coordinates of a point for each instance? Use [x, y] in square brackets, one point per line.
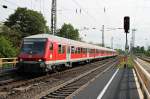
[126, 29]
[4, 6]
[126, 24]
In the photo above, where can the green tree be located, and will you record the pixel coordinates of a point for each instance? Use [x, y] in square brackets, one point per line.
[12, 35]
[26, 21]
[120, 51]
[68, 31]
[6, 48]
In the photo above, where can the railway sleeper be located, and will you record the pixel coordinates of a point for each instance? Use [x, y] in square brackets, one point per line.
[73, 87]
[69, 90]
[58, 95]
[64, 92]
[52, 97]
[77, 84]
[61, 93]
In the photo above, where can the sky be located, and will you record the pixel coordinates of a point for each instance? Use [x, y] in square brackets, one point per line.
[93, 16]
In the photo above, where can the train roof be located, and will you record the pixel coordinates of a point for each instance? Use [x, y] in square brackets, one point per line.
[68, 41]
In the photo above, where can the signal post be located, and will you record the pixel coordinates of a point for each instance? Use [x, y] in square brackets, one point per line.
[126, 29]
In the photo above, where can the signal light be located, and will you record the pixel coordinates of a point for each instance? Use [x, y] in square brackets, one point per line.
[126, 24]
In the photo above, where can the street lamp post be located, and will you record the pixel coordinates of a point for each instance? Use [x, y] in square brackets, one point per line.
[132, 41]
[112, 40]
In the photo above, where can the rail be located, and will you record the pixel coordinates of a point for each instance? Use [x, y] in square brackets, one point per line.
[145, 59]
[6, 63]
[144, 78]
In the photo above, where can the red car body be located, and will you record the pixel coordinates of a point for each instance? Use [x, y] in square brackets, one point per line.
[43, 52]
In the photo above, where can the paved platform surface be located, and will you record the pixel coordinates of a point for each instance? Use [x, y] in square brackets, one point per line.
[122, 86]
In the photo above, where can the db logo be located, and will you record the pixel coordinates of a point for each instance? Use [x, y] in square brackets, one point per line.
[50, 56]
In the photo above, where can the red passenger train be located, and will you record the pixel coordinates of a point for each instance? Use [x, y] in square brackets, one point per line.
[44, 52]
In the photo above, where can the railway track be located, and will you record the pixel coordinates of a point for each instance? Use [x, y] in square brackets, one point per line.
[5, 74]
[35, 86]
[147, 59]
[67, 90]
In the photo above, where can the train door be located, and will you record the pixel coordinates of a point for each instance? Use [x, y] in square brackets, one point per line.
[51, 51]
[68, 53]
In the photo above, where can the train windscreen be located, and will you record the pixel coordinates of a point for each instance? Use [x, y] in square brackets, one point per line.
[33, 46]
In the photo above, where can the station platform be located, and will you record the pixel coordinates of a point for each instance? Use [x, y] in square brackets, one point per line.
[114, 84]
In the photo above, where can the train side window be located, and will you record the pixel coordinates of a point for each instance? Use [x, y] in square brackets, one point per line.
[76, 51]
[59, 49]
[81, 50]
[91, 51]
[86, 50]
[51, 47]
[72, 49]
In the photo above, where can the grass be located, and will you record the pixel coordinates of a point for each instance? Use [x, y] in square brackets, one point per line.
[7, 66]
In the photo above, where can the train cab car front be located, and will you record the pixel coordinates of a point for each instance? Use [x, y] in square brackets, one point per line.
[32, 55]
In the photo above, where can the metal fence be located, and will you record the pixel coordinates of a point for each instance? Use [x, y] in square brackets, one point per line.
[8, 63]
[144, 79]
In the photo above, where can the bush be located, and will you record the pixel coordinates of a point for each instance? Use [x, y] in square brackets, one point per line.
[6, 48]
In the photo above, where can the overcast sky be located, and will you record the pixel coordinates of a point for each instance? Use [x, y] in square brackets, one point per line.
[92, 16]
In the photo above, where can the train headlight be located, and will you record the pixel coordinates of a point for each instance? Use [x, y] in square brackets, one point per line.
[40, 60]
[20, 59]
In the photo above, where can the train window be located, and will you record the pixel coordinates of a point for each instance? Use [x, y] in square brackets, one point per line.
[59, 49]
[91, 51]
[79, 50]
[83, 50]
[86, 50]
[76, 51]
[51, 46]
[102, 52]
[72, 49]
[96, 51]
